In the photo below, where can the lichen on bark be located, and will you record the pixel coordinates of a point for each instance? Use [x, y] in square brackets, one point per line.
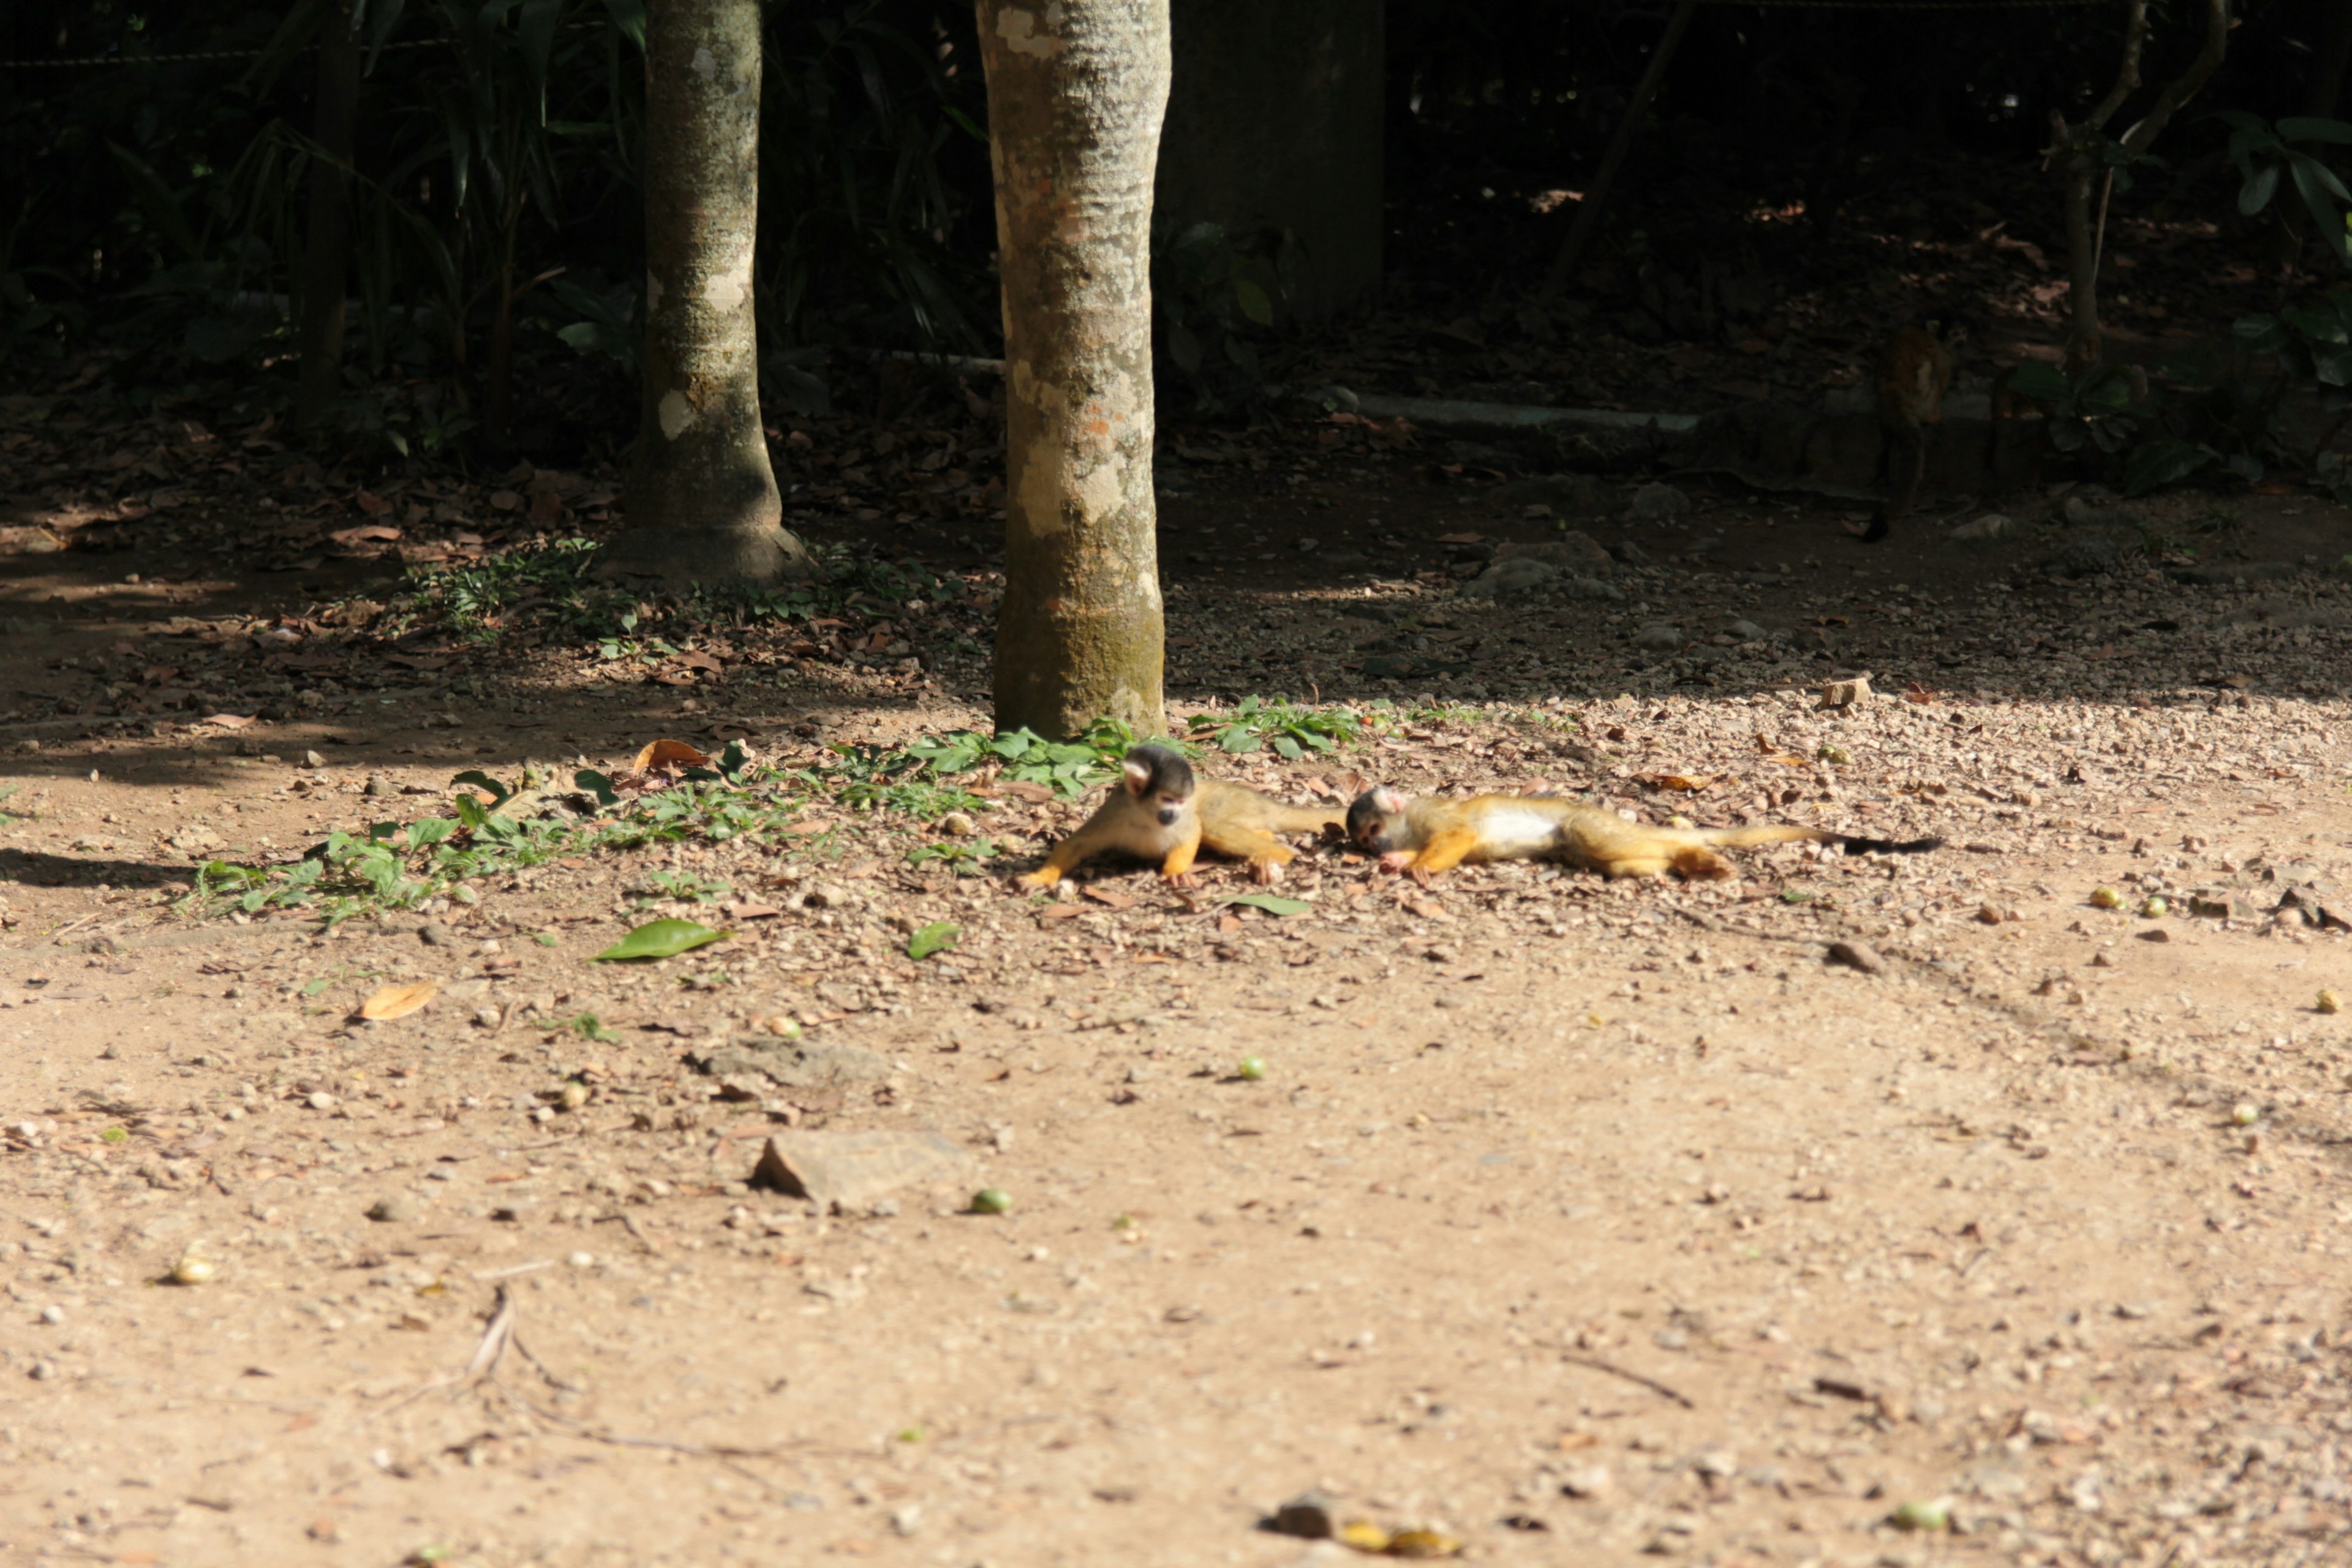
[1076, 89]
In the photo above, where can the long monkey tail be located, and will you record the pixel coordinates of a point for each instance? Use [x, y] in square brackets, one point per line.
[1780, 833]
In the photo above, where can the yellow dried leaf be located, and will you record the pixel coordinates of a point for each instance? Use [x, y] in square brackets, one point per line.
[398, 1001]
[1423, 1543]
[1364, 1536]
[670, 755]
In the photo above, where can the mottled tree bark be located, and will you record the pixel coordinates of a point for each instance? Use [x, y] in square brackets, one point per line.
[701, 498]
[326, 249]
[1076, 89]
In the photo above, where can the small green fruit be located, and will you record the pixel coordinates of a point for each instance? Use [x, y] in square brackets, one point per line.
[2328, 1002]
[2106, 898]
[2155, 908]
[1252, 1069]
[992, 1200]
[2246, 1115]
[1934, 1515]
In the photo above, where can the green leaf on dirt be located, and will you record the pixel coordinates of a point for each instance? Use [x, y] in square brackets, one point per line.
[114, 1136]
[587, 1025]
[597, 784]
[480, 780]
[545, 938]
[1270, 904]
[936, 938]
[661, 939]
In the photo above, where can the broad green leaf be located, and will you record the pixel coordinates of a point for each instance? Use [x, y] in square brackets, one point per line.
[2256, 192]
[936, 938]
[661, 939]
[1270, 904]
[597, 784]
[1254, 302]
[476, 776]
[2307, 128]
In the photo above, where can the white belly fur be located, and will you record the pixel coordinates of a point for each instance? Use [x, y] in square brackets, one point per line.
[1511, 831]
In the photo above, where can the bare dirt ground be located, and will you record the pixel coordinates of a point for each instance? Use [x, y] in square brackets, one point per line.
[1574, 1221]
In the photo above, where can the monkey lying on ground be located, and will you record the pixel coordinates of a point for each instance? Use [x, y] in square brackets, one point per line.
[1914, 372]
[1159, 810]
[1427, 835]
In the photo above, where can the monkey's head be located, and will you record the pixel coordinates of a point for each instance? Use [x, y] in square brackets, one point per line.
[1373, 820]
[1948, 325]
[1160, 780]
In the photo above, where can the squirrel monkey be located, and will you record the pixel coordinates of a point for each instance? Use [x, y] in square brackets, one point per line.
[1159, 810]
[1427, 835]
[1914, 372]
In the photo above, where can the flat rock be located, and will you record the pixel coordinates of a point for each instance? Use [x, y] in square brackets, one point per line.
[1660, 637]
[794, 1064]
[1657, 503]
[846, 1170]
[1857, 955]
[1574, 551]
[1511, 579]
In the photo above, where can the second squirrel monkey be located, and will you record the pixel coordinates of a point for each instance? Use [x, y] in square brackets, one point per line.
[1427, 835]
[1914, 372]
[1160, 810]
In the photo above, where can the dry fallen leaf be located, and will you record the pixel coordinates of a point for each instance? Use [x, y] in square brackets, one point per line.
[666, 755]
[1105, 896]
[398, 1001]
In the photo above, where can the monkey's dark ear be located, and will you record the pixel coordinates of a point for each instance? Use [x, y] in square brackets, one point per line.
[1139, 771]
[1389, 800]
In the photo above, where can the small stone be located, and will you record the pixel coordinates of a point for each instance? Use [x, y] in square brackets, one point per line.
[826, 896]
[1511, 579]
[1660, 637]
[313, 760]
[1857, 955]
[956, 824]
[488, 1017]
[435, 935]
[53, 1315]
[320, 1099]
[378, 786]
[1588, 1482]
[1657, 503]
[393, 1209]
[1745, 631]
[1309, 1516]
[1992, 525]
[1848, 693]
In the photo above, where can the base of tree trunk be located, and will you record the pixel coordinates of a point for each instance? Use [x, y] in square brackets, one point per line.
[712, 557]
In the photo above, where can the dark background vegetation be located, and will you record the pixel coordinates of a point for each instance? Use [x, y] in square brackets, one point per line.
[153, 211]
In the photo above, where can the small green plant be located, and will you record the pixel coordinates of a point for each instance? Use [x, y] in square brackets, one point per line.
[967, 859]
[680, 887]
[938, 937]
[1290, 729]
[2267, 158]
[587, 1025]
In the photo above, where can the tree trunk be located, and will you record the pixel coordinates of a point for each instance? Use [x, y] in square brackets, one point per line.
[701, 498]
[2085, 344]
[327, 251]
[1275, 120]
[1076, 92]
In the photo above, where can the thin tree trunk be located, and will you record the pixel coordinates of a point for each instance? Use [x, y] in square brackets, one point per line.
[1604, 179]
[327, 250]
[1075, 94]
[701, 498]
[2085, 341]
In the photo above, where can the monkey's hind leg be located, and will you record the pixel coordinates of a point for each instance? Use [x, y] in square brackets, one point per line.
[1267, 854]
